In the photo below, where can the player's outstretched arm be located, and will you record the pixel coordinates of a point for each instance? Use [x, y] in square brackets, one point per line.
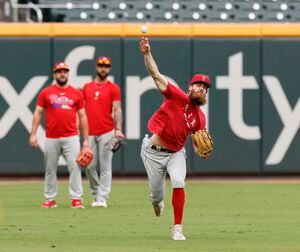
[160, 80]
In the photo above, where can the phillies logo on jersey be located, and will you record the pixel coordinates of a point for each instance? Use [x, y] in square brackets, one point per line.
[62, 102]
[188, 117]
[97, 93]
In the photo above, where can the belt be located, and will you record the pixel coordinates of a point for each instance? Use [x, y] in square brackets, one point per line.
[159, 148]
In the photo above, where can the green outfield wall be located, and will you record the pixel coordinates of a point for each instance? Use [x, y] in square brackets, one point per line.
[253, 111]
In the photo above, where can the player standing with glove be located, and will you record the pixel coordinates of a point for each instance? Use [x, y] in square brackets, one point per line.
[61, 102]
[102, 100]
[171, 124]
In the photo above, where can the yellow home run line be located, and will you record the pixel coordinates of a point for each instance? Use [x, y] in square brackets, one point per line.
[155, 29]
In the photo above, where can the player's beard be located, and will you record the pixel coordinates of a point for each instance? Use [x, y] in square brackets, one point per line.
[61, 81]
[198, 99]
[102, 75]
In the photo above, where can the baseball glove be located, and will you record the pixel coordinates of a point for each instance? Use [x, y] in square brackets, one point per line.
[114, 144]
[85, 157]
[202, 143]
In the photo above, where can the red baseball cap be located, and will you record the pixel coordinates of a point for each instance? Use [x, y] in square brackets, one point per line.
[59, 66]
[103, 60]
[201, 78]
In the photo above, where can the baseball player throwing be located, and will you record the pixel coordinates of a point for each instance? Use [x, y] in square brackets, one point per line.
[170, 126]
[61, 102]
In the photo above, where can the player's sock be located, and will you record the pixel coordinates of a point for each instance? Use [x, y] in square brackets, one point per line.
[178, 198]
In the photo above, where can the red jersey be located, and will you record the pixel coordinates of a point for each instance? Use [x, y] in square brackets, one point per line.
[99, 100]
[60, 106]
[176, 118]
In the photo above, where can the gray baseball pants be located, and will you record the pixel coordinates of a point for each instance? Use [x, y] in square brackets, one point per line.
[69, 147]
[157, 164]
[100, 184]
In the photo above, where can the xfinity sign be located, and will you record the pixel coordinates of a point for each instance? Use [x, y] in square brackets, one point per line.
[236, 83]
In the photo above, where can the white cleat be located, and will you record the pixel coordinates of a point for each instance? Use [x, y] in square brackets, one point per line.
[99, 203]
[177, 234]
[158, 208]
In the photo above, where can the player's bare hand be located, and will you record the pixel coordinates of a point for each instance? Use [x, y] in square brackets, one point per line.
[86, 145]
[33, 141]
[144, 45]
[119, 134]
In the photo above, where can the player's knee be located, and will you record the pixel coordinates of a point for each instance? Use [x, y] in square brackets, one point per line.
[178, 183]
[74, 167]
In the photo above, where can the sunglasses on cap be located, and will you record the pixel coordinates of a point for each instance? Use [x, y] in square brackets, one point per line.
[104, 62]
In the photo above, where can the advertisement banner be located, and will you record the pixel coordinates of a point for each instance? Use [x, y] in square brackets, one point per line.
[253, 110]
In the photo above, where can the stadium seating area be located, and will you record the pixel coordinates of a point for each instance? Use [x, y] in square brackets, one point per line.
[170, 10]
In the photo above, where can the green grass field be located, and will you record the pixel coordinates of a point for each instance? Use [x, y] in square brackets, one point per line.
[218, 217]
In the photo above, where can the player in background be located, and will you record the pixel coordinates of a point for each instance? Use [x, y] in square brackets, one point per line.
[61, 103]
[170, 126]
[104, 113]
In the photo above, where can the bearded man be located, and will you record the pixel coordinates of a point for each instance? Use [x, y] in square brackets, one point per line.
[62, 105]
[163, 152]
[104, 112]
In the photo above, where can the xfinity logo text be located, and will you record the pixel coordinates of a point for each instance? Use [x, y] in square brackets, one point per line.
[236, 83]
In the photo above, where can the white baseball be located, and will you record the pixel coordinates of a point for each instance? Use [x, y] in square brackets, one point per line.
[144, 29]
